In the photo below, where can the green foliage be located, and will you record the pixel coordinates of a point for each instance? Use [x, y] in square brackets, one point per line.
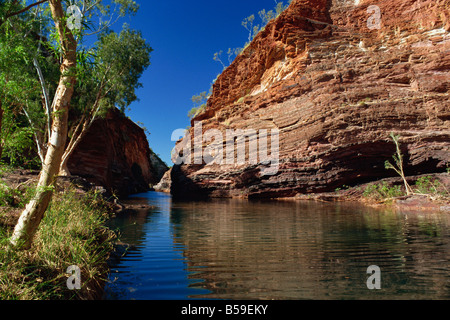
[122, 58]
[196, 111]
[217, 57]
[199, 102]
[429, 186]
[31, 57]
[383, 191]
[199, 99]
[425, 185]
[18, 148]
[247, 23]
[15, 197]
[7, 197]
[21, 53]
[108, 72]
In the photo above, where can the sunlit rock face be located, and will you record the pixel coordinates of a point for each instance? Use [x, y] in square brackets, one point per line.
[335, 78]
[115, 154]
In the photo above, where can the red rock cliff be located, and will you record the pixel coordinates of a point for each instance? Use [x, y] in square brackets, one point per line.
[335, 87]
[115, 154]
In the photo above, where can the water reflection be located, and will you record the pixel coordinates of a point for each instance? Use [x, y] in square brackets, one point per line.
[233, 249]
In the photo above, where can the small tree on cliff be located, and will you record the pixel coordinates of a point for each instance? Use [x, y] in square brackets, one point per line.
[253, 29]
[199, 102]
[398, 160]
[65, 42]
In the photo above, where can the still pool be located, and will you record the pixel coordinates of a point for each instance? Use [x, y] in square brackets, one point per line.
[238, 249]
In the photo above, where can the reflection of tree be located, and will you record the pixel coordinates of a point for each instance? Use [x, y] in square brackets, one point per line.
[291, 250]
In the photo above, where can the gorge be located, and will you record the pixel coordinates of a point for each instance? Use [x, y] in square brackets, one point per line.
[331, 100]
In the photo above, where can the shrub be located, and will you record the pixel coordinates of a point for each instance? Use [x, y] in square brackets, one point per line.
[8, 197]
[383, 191]
[196, 111]
[425, 185]
[428, 186]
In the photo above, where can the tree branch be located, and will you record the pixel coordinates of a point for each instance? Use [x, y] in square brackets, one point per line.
[36, 139]
[48, 107]
[9, 15]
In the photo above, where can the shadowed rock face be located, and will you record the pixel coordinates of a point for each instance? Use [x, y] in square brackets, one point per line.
[115, 154]
[335, 89]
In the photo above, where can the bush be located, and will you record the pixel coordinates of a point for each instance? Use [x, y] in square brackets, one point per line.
[428, 186]
[425, 185]
[196, 111]
[383, 191]
[9, 197]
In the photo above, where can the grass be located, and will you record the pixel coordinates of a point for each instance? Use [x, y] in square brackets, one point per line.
[6, 195]
[71, 233]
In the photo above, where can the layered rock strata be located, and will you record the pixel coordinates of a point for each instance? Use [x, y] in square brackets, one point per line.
[335, 78]
[115, 154]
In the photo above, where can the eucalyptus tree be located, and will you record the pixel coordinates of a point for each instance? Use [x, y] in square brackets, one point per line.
[32, 215]
[109, 75]
[72, 21]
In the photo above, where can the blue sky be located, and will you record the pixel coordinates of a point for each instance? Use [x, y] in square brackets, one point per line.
[184, 36]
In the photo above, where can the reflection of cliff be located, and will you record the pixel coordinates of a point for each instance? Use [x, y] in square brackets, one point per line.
[307, 250]
[335, 89]
[116, 155]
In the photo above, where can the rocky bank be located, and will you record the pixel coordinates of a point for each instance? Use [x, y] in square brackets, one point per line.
[335, 85]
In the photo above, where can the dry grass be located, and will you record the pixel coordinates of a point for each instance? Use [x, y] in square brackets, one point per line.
[71, 233]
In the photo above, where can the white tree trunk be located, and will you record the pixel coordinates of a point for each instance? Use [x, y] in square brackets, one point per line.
[34, 212]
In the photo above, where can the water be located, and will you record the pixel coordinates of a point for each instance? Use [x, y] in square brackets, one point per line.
[236, 249]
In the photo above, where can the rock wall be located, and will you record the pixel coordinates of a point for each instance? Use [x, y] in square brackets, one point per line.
[115, 154]
[335, 87]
